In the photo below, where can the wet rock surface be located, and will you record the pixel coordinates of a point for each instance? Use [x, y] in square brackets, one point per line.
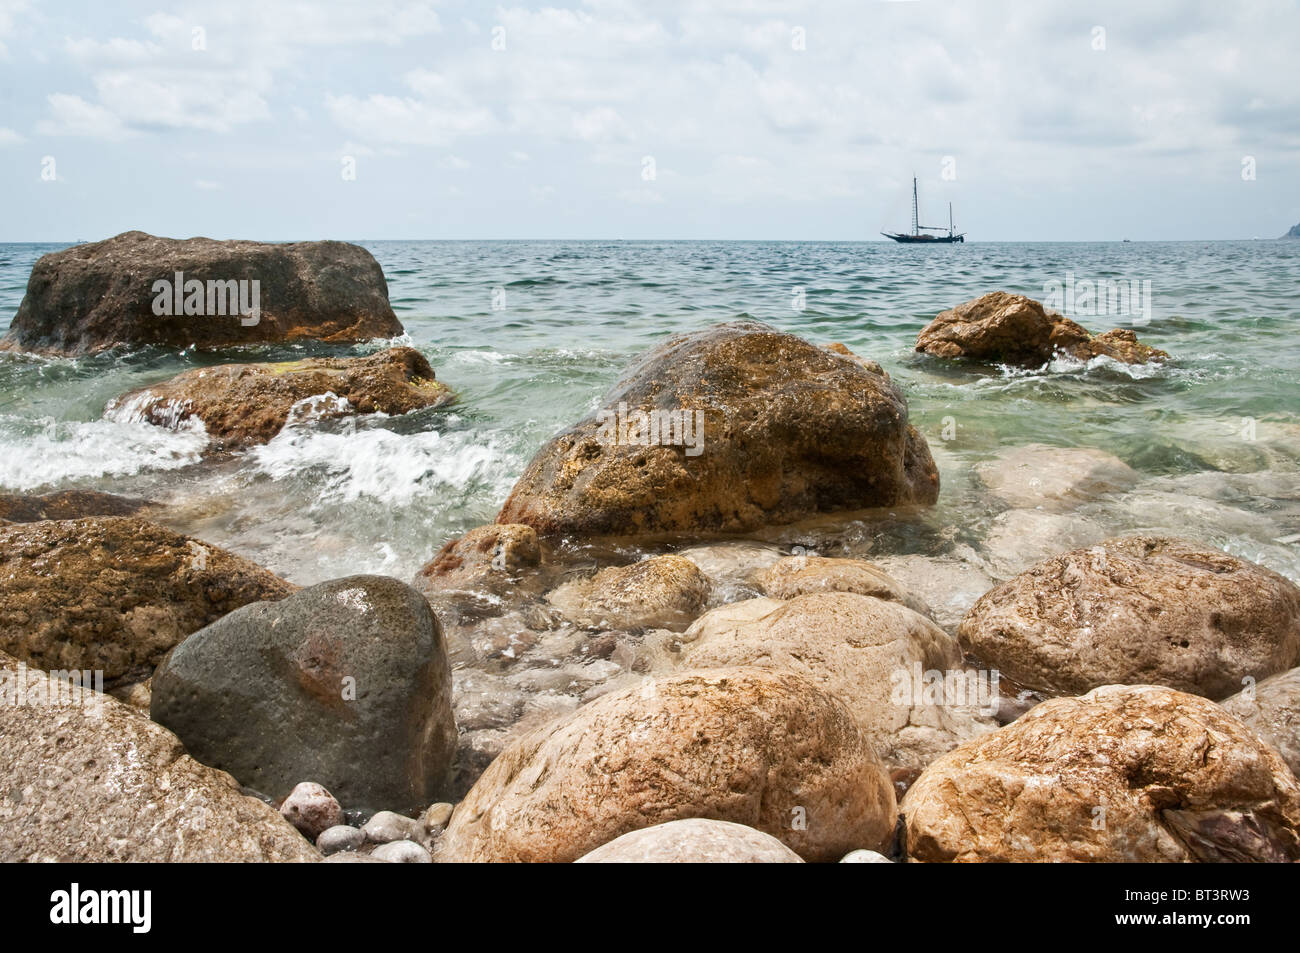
[347, 681]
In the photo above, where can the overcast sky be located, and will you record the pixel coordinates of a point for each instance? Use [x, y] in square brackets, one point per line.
[607, 119]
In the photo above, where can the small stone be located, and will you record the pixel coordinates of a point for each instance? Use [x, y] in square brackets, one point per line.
[402, 852]
[387, 827]
[311, 809]
[864, 857]
[340, 838]
[347, 857]
[437, 816]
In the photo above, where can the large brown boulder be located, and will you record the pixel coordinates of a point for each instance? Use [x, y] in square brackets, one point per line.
[115, 593]
[1013, 329]
[1138, 610]
[872, 654]
[1125, 773]
[781, 430]
[85, 779]
[1272, 710]
[245, 404]
[766, 749]
[90, 297]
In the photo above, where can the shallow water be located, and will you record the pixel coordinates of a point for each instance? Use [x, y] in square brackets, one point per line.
[1215, 434]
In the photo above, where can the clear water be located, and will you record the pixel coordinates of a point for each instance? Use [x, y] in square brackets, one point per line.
[1215, 433]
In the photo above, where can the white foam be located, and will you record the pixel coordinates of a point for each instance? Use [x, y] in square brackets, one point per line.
[46, 452]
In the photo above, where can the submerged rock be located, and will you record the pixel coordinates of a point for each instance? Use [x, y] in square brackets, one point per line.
[949, 584]
[869, 653]
[85, 779]
[1054, 478]
[1013, 329]
[1138, 610]
[778, 430]
[1018, 539]
[801, 575]
[347, 682]
[662, 592]
[90, 297]
[66, 505]
[245, 404]
[115, 593]
[1271, 709]
[487, 558]
[1125, 773]
[693, 841]
[768, 749]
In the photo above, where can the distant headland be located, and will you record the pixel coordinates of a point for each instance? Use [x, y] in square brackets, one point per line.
[1294, 233]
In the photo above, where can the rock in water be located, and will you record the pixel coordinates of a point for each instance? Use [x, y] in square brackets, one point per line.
[341, 837]
[347, 682]
[92, 781]
[90, 297]
[115, 593]
[66, 505]
[1138, 610]
[1054, 478]
[1012, 329]
[693, 841]
[872, 654]
[486, 558]
[801, 575]
[767, 749]
[245, 404]
[1272, 710]
[751, 427]
[1124, 773]
[312, 809]
[662, 591]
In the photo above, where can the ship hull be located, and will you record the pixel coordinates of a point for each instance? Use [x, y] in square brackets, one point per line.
[925, 239]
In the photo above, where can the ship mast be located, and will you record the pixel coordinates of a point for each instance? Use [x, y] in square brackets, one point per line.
[916, 222]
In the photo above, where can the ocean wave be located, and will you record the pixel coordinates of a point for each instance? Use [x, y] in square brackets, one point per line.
[40, 453]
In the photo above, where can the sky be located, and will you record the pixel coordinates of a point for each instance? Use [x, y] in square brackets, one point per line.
[608, 119]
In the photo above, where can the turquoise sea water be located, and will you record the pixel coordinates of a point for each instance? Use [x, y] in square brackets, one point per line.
[1214, 434]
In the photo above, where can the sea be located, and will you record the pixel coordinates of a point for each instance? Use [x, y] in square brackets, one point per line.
[531, 334]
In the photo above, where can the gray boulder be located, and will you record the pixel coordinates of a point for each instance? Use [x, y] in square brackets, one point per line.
[346, 682]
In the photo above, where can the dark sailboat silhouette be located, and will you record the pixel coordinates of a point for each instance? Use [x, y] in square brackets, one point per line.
[920, 236]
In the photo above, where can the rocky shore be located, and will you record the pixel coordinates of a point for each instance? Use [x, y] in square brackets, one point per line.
[661, 649]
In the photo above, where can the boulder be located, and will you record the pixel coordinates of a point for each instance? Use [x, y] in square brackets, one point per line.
[486, 559]
[869, 653]
[1013, 329]
[1123, 774]
[801, 575]
[659, 592]
[1054, 478]
[949, 584]
[767, 749]
[1138, 610]
[114, 593]
[1271, 709]
[66, 505]
[694, 840]
[245, 404]
[90, 297]
[85, 779]
[347, 682]
[779, 430]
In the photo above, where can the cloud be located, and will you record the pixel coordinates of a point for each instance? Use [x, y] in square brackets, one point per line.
[9, 138]
[73, 116]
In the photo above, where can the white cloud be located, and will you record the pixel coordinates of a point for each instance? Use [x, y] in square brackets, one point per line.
[73, 116]
[10, 138]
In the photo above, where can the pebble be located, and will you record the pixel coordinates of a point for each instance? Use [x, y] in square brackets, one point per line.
[436, 817]
[386, 827]
[311, 809]
[864, 857]
[402, 852]
[340, 837]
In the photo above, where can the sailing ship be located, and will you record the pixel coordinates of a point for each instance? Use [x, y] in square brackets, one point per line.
[918, 235]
